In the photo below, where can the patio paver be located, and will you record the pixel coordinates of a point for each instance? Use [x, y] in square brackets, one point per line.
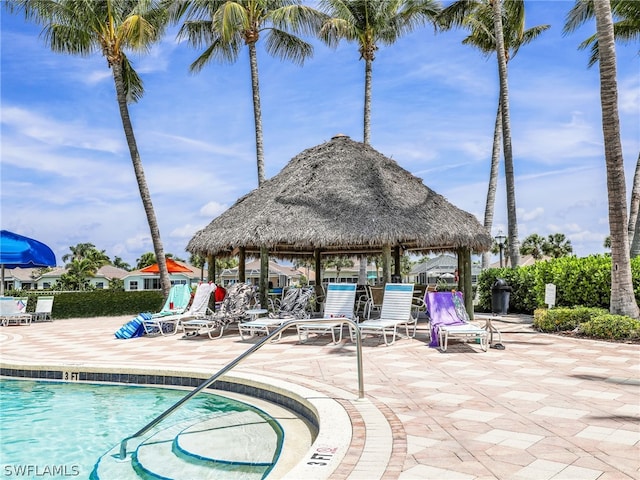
[546, 407]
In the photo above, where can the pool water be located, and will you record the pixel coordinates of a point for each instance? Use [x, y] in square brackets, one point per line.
[60, 430]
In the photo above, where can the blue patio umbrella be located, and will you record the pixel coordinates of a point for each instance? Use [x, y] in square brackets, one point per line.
[20, 251]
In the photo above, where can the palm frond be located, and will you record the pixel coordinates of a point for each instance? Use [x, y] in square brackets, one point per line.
[299, 19]
[286, 46]
[134, 87]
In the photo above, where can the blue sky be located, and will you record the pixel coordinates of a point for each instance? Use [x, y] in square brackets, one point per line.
[67, 177]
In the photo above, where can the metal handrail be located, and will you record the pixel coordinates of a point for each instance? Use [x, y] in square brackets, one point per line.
[229, 366]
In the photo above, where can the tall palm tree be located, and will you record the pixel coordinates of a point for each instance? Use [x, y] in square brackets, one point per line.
[370, 22]
[83, 27]
[625, 29]
[512, 220]
[477, 17]
[222, 27]
[623, 300]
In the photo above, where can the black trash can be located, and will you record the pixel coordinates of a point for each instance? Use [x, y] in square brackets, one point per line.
[500, 293]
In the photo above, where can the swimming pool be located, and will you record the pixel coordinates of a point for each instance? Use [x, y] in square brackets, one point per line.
[60, 430]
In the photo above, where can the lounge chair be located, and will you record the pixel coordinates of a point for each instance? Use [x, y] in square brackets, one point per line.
[449, 319]
[44, 305]
[294, 304]
[177, 301]
[374, 300]
[239, 298]
[396, 312]
[169, 324]
[339, 304]
[13, 311]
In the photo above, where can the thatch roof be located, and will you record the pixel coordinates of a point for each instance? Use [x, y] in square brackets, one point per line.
[341, 197]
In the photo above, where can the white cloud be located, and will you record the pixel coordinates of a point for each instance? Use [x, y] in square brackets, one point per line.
[527, 216]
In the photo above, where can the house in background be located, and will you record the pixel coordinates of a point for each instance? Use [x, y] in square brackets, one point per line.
[21, 278]
[31, 279]
[100, 280]
[349, 274]
[279, 275]
[148, 278]
[442, 268]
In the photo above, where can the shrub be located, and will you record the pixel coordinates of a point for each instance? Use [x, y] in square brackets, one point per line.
[579, 281]
[97, 303]
[612, 327]
[564, 319]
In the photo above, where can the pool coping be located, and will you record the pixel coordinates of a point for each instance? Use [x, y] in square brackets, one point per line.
[328, 416]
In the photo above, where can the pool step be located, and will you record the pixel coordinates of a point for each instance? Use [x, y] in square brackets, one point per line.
[240, 444]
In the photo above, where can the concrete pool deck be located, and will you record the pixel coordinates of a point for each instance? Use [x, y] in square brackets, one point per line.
[547, 407]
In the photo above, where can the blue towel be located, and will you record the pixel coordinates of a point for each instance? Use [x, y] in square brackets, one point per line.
[133, 328]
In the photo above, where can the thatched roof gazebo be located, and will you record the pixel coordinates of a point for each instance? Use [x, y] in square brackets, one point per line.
[341, 198]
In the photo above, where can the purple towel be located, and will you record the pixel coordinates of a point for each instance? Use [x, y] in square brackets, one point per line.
[442, 311]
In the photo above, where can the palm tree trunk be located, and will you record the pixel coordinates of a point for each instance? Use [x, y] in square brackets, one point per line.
[145, 195]
[623, 301]
[362, 272]
[263, 284]
[493, 182]
[514, 243]
[257, 112]
[367, 101]
[634, 210]
[386, 264]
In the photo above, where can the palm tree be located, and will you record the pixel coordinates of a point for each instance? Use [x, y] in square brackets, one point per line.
[89, 253]
[339, 263]
[623, 300]
[477, 17]
[533, 245]
[369, 22]
[557, 245]
[78, 251]
[145, 260]
[79, 270]
[120, 263]
[223, 26]
[512, 221]
[626, 29]
[82, 27]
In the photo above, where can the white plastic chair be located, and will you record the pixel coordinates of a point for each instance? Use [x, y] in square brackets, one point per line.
[396, 311]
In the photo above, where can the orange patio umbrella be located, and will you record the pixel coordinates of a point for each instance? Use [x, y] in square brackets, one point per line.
[172, 267]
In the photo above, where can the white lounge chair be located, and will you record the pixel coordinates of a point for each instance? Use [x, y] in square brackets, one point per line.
[44, 305]
[13, 311]
[294, 304]
[449, 319]
[396, 312]
[169, 324]
[339, 304]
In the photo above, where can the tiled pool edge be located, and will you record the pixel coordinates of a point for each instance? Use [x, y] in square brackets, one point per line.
[324, 413]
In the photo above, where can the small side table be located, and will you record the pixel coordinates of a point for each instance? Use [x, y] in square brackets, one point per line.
[489, 327]
[256, 312]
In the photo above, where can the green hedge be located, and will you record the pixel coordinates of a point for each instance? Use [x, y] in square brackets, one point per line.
[591, 322]
[563, 319]
[612, 327]
[582, 282]
[96, 303]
